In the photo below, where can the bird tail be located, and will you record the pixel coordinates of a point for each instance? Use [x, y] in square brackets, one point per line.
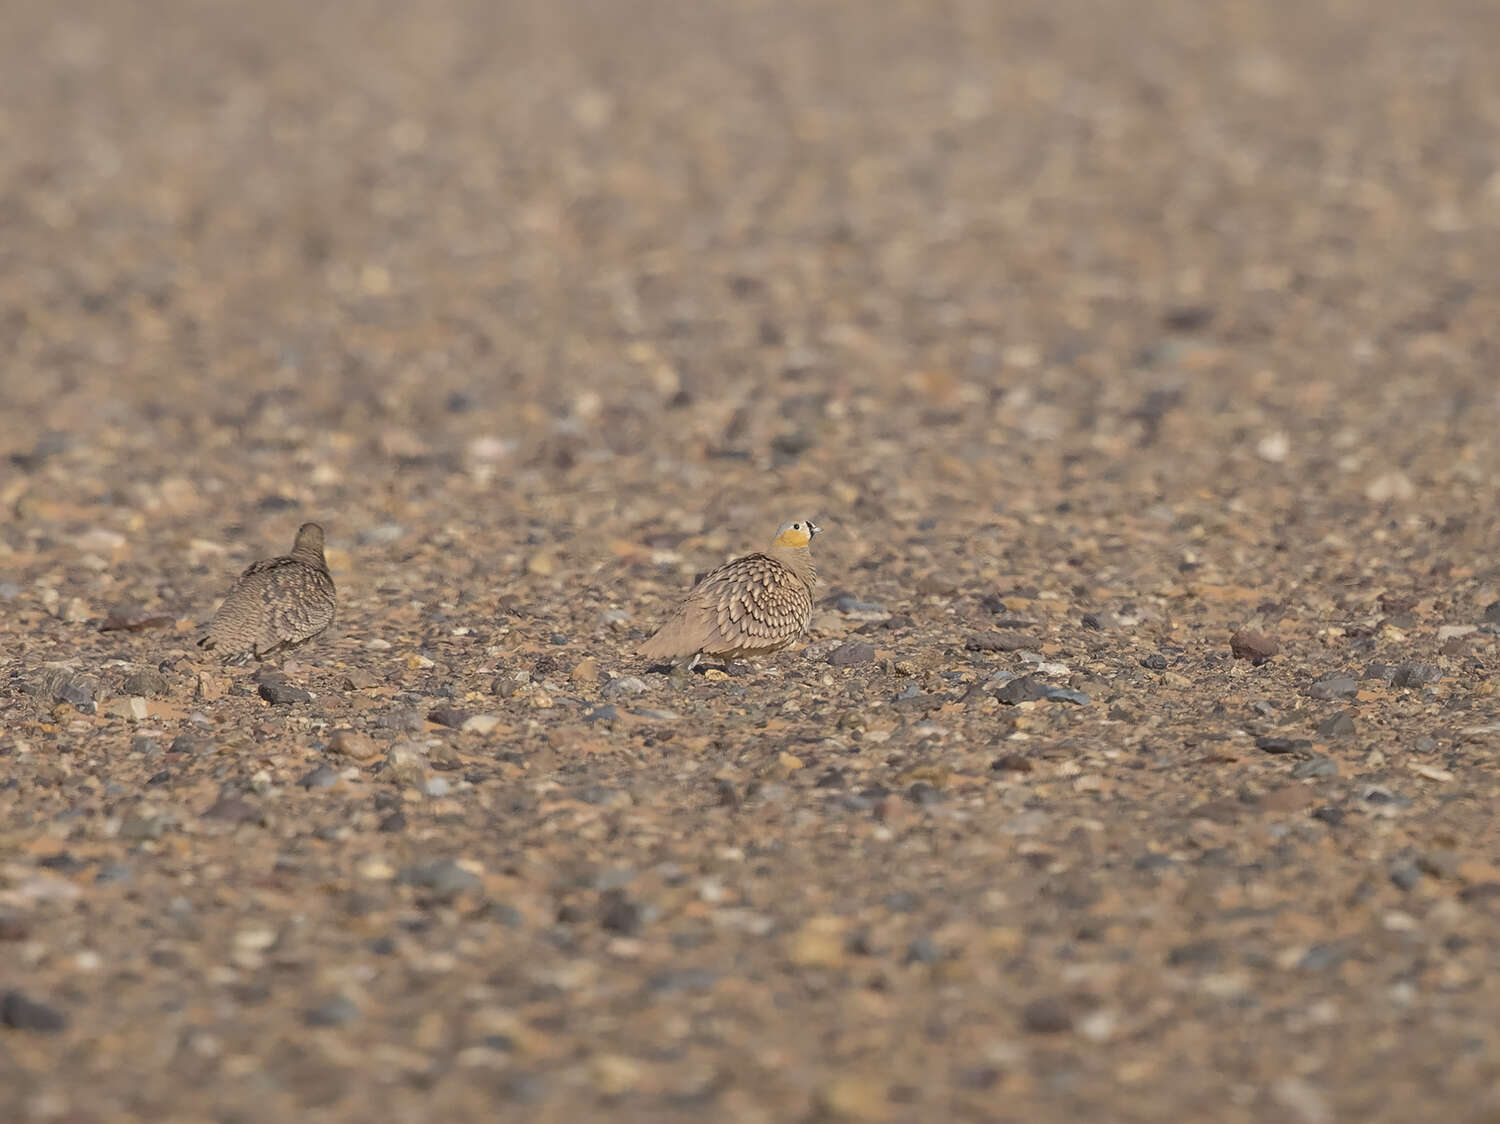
[683, 636]
[659, 647]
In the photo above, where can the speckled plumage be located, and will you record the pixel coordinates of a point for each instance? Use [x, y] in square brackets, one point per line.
[277, 604]
[750, 607]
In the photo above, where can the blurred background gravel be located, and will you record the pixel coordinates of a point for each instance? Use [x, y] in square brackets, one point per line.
[1091, 332]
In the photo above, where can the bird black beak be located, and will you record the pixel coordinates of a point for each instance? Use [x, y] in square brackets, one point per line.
[813, 529]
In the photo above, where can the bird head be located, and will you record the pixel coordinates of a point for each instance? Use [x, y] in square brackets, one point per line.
[309, 539]
[797, 533]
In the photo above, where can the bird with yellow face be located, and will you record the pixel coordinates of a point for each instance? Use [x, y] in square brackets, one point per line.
[750, 607]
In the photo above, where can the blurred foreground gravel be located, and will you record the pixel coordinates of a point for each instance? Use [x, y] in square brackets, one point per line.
[1092, 334]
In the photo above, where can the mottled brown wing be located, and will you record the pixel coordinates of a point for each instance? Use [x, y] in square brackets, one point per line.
[277, 603]
[300, 604]
[753, 604]
[756, 602]
[265, 565]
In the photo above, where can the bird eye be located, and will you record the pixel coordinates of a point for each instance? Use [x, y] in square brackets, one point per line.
[796, 526]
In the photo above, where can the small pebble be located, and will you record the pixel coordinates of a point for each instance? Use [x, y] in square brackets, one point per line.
[232, 809]
[142, 827]
[351, 743]
[1337, 725]
[1405, 874]
[335, 1011]
[1415, 675]
[1335, 687]
[1067, 695]
[624, 687]
[852, 653]
[1024, 689]
[1256, 647]
[321, 777]
[443, 877]
[278, 692]
[1282, 745]
[20, 1012]
[1315, 768]
[618, 914]
[994, 641]
[449, 716]
[923, 950]
[1047, 1016]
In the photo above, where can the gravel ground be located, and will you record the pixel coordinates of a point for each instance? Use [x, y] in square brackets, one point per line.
[1092, 333]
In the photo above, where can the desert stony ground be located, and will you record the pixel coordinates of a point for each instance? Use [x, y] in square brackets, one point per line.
[1092, 333]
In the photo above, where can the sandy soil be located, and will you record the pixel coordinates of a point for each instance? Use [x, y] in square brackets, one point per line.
[1092, 333]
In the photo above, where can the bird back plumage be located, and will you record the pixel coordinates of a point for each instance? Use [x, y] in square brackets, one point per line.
[277, 603]
[752, 606]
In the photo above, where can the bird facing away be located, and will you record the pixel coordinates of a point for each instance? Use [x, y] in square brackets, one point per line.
[277, 604]
[750, 607]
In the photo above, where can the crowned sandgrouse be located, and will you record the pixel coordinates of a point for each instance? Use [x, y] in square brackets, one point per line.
[750, 607]
[277, 604]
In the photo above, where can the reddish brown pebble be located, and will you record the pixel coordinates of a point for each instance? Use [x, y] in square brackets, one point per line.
[1254, 646]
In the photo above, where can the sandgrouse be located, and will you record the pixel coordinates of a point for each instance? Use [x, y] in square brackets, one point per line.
[278, 603]
[750, 607]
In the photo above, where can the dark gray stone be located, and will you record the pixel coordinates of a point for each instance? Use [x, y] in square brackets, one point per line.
[1405, 873]
[191, 744]
[232, 809]
[1067, 695]
[1047, 1016]
[1279, 745]
[1201, 954]
[21, 1012]
[321, 777]
[619, 914]
[334, 1011]
[450, 716]
[1415, 675]
[1315, 768]
[923, 950]
[442, 876]
[996, 641]
[924, 795]
[852, 653]
[1323, 958]
[1334, 687]
[1337, 725]
[1025, 689]
[848, 603]
[278, 692]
